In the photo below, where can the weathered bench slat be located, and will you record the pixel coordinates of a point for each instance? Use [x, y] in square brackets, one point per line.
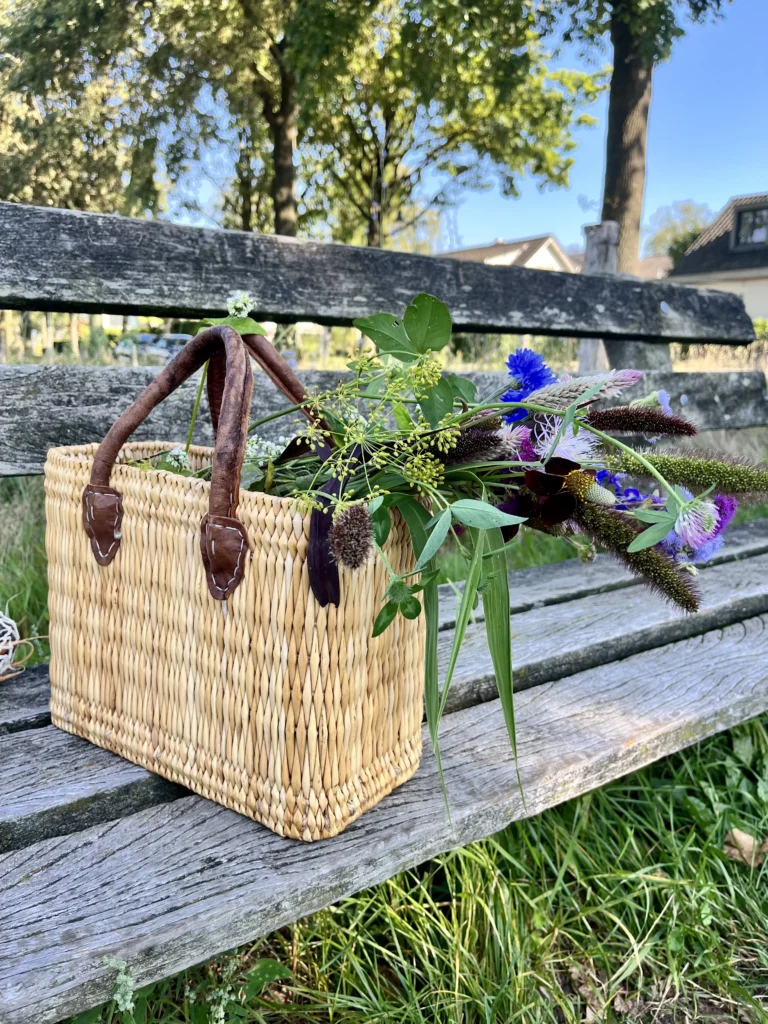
[78, 404]
[65, 260]
[173, 885]
[557, 641]
[24, 700]
[74, 782]
[54, 784]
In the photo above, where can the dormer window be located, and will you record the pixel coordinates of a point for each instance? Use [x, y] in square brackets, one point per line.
[752, 227]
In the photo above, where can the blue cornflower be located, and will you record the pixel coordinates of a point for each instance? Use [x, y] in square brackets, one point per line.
[529, 372]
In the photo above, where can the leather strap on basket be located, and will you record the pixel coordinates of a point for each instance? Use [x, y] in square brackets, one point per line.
[223, 540]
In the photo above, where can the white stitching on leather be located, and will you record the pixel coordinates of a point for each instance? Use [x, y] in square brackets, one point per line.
[116, 535]
[220, 526]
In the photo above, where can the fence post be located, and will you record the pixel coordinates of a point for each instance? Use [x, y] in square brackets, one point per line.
[601, 257]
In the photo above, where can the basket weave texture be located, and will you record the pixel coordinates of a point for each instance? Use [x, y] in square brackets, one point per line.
[267, 703]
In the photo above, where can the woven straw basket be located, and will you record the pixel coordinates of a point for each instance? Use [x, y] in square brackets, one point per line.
[253, 694]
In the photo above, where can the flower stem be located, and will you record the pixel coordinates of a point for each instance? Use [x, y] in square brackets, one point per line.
[643, 461]
[196, 408]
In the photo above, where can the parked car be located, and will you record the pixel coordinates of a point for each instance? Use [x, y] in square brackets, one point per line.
[134, 342]
[167, 346]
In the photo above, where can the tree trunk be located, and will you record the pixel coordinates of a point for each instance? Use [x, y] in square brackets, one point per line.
[74, 334]
[47, 335]
[374, 213]
[282, 126]
[625, 158]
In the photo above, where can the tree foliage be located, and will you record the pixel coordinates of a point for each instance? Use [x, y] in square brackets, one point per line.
[350, 117]
[674, 228]
[437, 98]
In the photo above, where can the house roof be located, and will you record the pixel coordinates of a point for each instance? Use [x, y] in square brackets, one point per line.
[513, 253]
[711, 253]
[651, 268]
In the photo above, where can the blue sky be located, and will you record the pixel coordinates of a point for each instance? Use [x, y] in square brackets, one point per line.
[708, 139]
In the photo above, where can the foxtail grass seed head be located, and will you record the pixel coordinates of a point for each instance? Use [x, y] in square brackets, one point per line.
[639, 419]
[615, 532]
[351, 537]
[474, 444]
[698, 470]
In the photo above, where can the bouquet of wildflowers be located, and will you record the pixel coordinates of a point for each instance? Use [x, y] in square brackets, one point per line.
[399, 435]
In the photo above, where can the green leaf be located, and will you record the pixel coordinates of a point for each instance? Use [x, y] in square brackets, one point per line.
[437, 402]
[382, 524]
[436, 537]
[462, 387]
[402, 418]
[498, 628]
[431, 680]
[384, 618]
[649, 537]
[481, 515]
[411, 609]
[375, 505]
[88, 1016]
[426, 579]
[428, 323]
[388, 335]
[415, 516]
[649, 515]
[264, 973]
[435, 710]
[241, 324]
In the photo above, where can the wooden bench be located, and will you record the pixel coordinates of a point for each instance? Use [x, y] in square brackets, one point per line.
[100, 858]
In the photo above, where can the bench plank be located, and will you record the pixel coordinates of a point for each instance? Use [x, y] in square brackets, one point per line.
[73, 785]
[85, 262]
[74, 782]
[24, 700]
[78, 404]
[176, 884]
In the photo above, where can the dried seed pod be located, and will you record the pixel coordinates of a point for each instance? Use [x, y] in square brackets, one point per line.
[351, 539]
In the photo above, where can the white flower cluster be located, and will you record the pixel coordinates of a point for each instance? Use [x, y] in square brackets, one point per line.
[239, 304]
[125, 986]
[261, 451]
[178, 457]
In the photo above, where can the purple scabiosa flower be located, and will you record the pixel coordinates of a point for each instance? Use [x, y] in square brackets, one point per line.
[663, 397]
[708, 551]
[574, 447]
[697, 523]
[529, 373]
[727, 507]
[519, 441]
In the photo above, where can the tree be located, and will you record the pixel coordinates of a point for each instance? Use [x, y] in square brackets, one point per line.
[436, 98]
[194, 73]
[674, 228]
[642, 34]
[55, 151]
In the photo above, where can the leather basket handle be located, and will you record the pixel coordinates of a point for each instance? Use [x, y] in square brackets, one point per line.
[223, 539]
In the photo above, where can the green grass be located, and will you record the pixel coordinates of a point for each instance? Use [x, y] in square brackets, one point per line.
[23, 577]
[617, 906]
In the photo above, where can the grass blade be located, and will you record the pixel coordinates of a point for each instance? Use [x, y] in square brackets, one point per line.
[498, 630]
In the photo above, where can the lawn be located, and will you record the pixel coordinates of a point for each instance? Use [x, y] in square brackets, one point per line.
[618, 906]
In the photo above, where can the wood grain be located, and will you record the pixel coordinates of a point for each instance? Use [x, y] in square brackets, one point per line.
[176, 884]
[85, 262]
[45, 406]
[24, 700]
[75, 785]
[549, 643]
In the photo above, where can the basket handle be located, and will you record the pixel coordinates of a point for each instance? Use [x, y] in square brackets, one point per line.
[223, 539]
